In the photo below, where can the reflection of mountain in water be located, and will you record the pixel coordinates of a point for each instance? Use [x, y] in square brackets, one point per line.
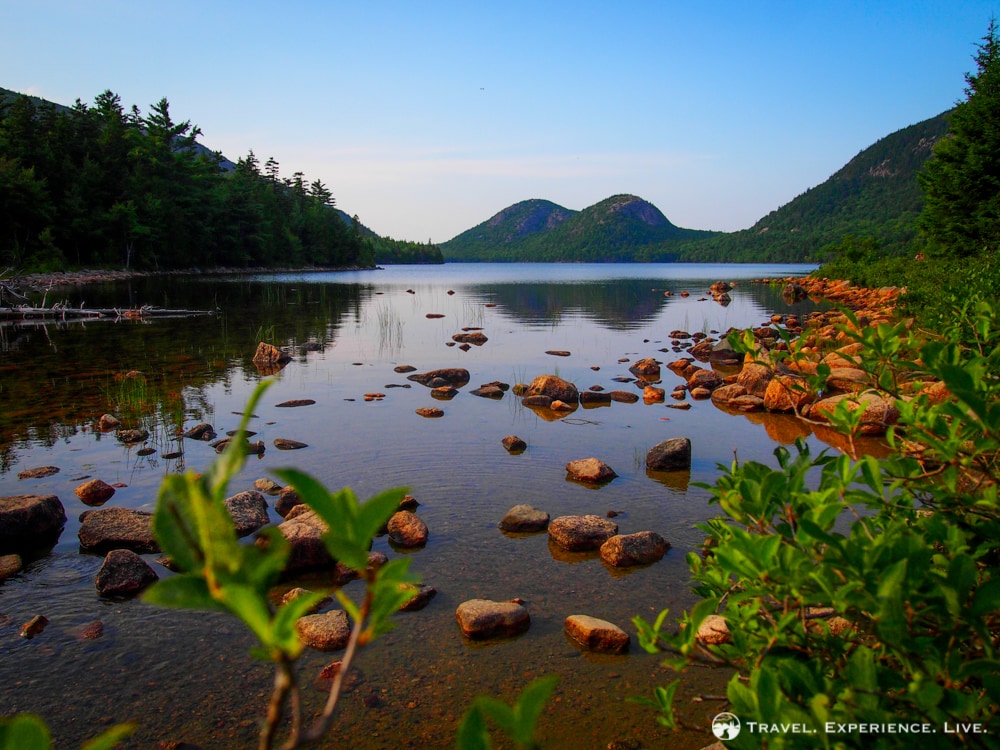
[617, 304]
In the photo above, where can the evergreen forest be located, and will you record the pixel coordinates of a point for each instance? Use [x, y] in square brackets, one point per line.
[102, 186]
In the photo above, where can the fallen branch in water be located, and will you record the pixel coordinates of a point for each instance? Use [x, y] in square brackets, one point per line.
[64, 312]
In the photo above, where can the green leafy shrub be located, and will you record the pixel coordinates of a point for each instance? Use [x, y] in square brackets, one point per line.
[865, 592]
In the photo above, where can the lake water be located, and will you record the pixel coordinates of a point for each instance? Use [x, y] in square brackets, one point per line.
[188, 676]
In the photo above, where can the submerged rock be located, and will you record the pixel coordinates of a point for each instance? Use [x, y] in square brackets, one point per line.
[581, 533]
[482, 618]
[524, 519]
[596, 635]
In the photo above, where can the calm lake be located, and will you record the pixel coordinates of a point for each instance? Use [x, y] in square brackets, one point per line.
[188, 676]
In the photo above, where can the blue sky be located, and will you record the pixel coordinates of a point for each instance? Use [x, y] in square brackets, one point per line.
[426, 118]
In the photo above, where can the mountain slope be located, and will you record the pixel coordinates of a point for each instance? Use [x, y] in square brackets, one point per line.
[874, 195]
[614, 230]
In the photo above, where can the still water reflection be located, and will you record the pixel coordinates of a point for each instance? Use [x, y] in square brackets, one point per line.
[188, 676]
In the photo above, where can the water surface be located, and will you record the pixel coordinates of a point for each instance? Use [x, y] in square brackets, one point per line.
[186, 676]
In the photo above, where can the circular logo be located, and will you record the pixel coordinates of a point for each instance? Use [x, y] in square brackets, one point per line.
[726, 726]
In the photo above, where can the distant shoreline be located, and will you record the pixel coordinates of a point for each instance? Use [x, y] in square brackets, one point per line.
[55, 279]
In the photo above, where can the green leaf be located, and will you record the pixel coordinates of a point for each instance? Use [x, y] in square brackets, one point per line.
[110, 738]
[529, 706]
[472, 734]
[24, 732]
[183, 591]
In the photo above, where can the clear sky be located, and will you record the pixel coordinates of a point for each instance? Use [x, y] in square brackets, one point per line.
[426, 118]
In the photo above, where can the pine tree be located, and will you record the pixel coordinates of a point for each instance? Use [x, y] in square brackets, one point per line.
[961, 183]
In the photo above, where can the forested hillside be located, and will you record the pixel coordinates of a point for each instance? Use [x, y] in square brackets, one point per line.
[875, 195]
[101, 186]
[618, 229]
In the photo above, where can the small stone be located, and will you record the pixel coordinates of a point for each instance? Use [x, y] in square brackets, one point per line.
[267, 486]
[422, 596]
[295, 402]
[670, 455]
[514, 444]
[117, 528]
[581, 533]
[108, 422]
[123, 573]
[95, 492]
[328, 631]
[713, 631]
[38, 473]
[641, 548]
[284, 444]
[288, 498]
[430, 412]
[482, 619]
[596, 635]
[590, 470]
[249, 511]
[203, 431]
[524, 519]
[34, 626]
[10, 565]
[406, 529]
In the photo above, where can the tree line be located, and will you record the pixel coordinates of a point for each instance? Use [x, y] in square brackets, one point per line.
[101, 186]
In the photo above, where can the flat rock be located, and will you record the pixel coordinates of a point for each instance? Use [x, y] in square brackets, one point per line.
[641, 548]
[596, 635]
[489, 391]
[623, 397]
[328, 631]
[524, 519]
[558, 352]
[95, 492]
[249, 511]
[670, 455]
[594, 397]
[39, 472]
[702, 378]
[295, 402]
[430, 412]
[482, 619]
[444, 392]
[284, 444]
[538, 399]
[124, 573]
[407, 529]
[590, 470]
[581, 533]
[456, 376]
[29, 520]
[117, 528]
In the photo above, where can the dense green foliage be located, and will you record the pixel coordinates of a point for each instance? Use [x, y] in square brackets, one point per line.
[621, 228]
[914, 576]
[961, 183]
[99, 186]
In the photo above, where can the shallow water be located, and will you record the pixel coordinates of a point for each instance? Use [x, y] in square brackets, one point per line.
[188, 675]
